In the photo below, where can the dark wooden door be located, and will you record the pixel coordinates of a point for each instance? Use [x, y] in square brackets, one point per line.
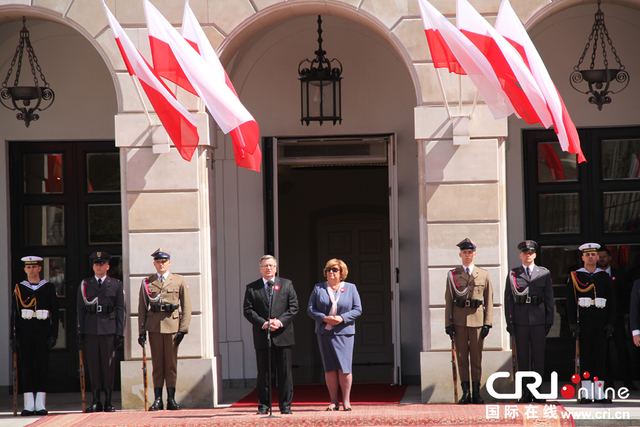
[65, 204]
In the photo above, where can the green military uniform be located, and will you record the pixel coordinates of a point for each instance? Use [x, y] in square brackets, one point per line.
[164, 310]
[468, 317]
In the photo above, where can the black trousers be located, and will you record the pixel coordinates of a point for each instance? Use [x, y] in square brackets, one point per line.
[33, 360]
[530, 341]
[281, 358]
[593, 347]
[101, 358]
[620, 340]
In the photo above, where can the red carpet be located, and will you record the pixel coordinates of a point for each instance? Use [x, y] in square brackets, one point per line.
[317, 394]
[307, 416]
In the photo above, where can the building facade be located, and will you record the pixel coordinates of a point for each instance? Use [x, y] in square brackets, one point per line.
[415, 167]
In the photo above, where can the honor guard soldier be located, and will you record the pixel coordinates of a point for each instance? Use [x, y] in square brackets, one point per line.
[164, 310]
[101, 322]
[468, 317]
[591, 309]
[34, 326]
[528, 305]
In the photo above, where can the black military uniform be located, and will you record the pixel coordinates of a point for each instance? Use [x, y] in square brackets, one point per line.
[591, 310]
[528, 302]
[34, 326]
[101, 321]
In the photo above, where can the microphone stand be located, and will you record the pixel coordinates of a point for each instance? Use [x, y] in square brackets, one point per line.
[270, 285]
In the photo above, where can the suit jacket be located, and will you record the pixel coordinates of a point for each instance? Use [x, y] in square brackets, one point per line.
[622, 291]
[284, 307]
[479, 284]
[111, 293]
[539, 285]
[349, 307]
[634, 310]
[174, 290]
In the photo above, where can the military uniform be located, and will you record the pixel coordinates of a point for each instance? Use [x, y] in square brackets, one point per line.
[469, 311]
[528, 309]
[34, 324]
[591, 311]
[101, 323]
[164, 310]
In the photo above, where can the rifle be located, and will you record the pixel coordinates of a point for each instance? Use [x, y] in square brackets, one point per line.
[578, 349]
[144, 378]
[82, 383]
[514, 357]
[15, 384]
[455, 372]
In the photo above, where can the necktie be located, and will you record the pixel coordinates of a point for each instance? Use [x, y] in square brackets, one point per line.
[528, 272]
[99, 282]
[466, 270]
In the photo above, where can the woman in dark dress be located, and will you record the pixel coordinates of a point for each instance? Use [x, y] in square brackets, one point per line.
[334, 305]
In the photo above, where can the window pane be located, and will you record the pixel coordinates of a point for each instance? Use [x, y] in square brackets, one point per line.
[53, 270]
[43, 174]
[555, 164]
[621, 211]
[559, 213]
[621, 159]
[105, 224]
[103, 172]
[44, 225]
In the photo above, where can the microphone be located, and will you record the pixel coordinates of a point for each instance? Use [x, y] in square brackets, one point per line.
[270, 283]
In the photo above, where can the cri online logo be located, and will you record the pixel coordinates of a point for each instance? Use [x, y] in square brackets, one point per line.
[567, 391]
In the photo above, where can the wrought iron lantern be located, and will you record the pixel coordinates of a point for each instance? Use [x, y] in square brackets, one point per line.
[320, 87]
[26, 94]
[599, 81]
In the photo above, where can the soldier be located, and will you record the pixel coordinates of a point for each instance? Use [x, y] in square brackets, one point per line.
[164, 310]
[591, 310]
[101, 321]
[468, 317]
[528, 309]
[34, 325]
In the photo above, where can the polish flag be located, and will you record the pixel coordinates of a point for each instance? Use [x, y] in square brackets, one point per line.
[440, 53]
[181, 126]
[514, 75]
[222, 102]
[508, 24]
[470, 58]
[246, 136]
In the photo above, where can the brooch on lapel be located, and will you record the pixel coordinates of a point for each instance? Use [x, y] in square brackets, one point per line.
[342, 290]
[276, 287]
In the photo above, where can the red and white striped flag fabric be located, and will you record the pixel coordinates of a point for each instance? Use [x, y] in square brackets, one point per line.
[222, 102]
[441, 55]
[514, 76]
[180, 124]
[246, 136]
[472, 60]
[508, 24]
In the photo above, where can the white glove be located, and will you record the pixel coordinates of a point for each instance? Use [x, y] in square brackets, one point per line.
[42, 314]
[601, 302]
[27, 314]
[584, 302]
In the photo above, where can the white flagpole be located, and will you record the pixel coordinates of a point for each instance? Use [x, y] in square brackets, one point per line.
[444, 96]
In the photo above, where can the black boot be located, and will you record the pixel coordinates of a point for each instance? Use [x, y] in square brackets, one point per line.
[476, 393]
[108, 407]
[96, 406]
[466, 393]
[157, 404]
[171, 399]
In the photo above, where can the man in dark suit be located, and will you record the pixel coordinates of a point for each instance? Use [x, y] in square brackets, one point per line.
[101, 321]
[528, 309]
[468, 318]
[284, 306]
[634, 313]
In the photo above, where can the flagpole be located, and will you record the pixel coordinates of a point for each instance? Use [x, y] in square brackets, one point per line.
[460, 93]
[136, 84]
[446, 104]
[473, 108]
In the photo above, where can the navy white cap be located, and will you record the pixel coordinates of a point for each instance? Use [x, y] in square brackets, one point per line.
[31, 260]
[589, 247]
[100, 257]
[161, 254]
[466, 244]
[528, 246]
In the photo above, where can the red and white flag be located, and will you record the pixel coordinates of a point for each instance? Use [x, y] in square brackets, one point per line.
[473, 62]
[514, 76]
[508, 24]
[441, 55]
[222, 102]
[246, 136]
[181, 126]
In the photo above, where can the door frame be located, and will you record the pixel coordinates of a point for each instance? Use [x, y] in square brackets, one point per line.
[270, 182]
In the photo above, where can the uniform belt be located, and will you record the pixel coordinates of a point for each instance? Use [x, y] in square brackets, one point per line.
[95, 309]
[156, 307]
[528, 299]
[463, 302]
